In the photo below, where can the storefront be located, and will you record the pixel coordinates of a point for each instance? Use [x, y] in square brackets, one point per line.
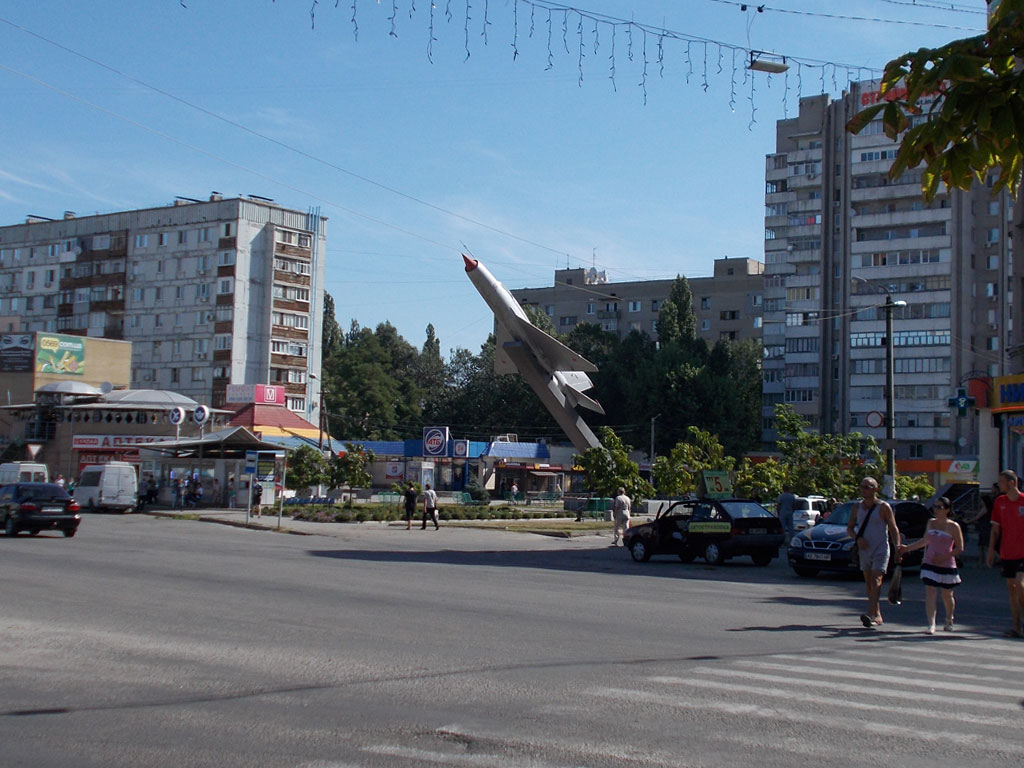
[1008, 411]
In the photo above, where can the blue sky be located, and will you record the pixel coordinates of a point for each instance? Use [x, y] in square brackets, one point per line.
[529, 167]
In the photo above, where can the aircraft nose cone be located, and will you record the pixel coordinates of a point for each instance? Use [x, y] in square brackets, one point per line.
[470, 263]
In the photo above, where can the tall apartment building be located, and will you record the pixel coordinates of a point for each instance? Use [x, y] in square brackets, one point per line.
[839, 236]
[210, 293]
[727, 306]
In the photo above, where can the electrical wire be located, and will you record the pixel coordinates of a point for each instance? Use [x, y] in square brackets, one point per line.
[841, 17]
[951, 7]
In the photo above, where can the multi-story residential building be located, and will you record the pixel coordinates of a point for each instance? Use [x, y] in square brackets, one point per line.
[210, 293]
[840, 236]
[727, 306]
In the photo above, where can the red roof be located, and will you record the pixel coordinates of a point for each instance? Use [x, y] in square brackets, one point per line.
[253, 417]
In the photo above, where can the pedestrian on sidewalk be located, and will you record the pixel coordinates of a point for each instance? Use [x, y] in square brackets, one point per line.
[942, 543]
[1008, 531]
[257, 497]
[231, 492]
[410, 505]
[784, 509]
[621, 508]
[871, 525]
[430, 506]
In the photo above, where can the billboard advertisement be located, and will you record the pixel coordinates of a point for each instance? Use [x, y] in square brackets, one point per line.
[60, 354]
[261, 394]
[16, 352]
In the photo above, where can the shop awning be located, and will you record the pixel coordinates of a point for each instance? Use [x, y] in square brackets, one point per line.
[540, 473]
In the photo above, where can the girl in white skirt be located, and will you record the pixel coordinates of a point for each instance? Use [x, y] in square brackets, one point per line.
[943, 541]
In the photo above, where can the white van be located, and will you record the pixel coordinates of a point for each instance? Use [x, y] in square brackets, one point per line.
[23, 472]
[113, 486]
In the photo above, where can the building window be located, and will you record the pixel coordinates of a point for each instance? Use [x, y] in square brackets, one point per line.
[222, 341]
[705, 302]
[174, 376]
[225, 314]
[205, 234]
[549, 310]
[162, 238]
[705, 325]
[566, 320]
[729, 314]
[228, 229]
[917, 450]
[635, 306]
[141, 241]
[590, 307]
[225, 258]
[182, 237]
[757, 321]
[296, 403]
[226, 285]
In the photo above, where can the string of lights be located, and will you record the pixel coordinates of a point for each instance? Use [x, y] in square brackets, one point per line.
[761, 8]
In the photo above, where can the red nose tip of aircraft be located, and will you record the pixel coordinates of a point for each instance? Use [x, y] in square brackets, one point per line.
[470, 263]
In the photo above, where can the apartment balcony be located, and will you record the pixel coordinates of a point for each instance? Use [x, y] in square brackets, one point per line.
[609, 314]
[902, 243]
[902, 218]
[287, 332]
[890, 191]
[280, 276]
[283, 249]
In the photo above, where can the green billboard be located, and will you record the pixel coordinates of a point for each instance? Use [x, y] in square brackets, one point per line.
[56, 353]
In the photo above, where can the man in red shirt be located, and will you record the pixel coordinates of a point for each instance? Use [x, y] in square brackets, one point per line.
[1008, 530]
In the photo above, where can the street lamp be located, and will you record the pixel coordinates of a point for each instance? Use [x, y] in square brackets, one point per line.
[890, 384]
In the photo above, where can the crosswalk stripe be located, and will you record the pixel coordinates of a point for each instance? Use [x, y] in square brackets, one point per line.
[957, 661]
[832, 661]
[885, 679]
[874, 692]
[829, 701]
[979, 742]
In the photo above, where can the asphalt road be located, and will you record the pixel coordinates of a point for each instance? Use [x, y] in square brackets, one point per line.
[155, 642]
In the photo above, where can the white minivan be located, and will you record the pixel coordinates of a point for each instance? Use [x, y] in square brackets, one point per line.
[23, 472]
[113, 486]
[807, 511]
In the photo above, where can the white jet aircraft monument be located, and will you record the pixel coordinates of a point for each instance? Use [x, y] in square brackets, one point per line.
[556, 373]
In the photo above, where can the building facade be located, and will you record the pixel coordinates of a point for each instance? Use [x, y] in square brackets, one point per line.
[840, 237]
[727, 306]
[210, 293]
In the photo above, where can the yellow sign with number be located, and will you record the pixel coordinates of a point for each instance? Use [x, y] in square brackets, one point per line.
[717, 484]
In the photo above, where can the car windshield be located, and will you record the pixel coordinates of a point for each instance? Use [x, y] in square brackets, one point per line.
[47, 491]
[737, 509]
[841, 514]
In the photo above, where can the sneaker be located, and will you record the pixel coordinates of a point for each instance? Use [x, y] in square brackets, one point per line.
[931, 629]
[948, 626]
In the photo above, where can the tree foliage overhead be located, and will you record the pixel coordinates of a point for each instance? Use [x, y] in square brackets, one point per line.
[976, 120]
[609, 468]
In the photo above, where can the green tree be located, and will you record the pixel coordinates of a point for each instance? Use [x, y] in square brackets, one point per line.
[762, 480]
[976, 118]
[306, 467]
[676, 473]
[351, 468]
[609, 467]
[826, 464]
[914, 486]
[676, 318]
[430, 376]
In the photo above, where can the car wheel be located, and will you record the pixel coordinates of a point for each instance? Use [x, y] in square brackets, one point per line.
[10, 527]
[805, 572]
[713, 554]
[761, 558]
[70, 532]
[687, 556]
[638, 549]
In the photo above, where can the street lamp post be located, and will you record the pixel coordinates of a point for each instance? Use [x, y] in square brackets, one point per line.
[890, 383]
[653, 419]
[320, 412]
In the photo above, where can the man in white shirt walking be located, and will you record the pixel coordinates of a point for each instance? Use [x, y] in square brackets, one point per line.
[429, 506]
[621, 508]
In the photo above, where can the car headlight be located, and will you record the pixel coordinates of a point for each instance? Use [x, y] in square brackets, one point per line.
[796, 542]
[848, 546]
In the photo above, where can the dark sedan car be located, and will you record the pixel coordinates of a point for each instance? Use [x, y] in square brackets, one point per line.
[827, 546]
[35, 507]
[715, 529]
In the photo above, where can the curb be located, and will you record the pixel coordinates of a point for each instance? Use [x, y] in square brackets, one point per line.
[229, 523]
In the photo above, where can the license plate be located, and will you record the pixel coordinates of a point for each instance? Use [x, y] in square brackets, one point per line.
[818, 556]
[52, 510]
[758, 531]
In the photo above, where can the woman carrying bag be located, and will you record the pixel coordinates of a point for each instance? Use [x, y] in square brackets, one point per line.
[943, 541]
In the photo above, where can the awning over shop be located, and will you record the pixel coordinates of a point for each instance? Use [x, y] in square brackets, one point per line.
[224, 444]
[536, 473]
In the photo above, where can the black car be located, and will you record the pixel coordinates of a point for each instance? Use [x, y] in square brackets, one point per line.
[715, 529]
[827, 546]
[34, 507]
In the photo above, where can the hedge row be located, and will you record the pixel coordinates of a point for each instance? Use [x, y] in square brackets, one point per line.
[384, 513]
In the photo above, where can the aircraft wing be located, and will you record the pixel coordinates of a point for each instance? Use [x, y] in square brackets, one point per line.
[549, 350]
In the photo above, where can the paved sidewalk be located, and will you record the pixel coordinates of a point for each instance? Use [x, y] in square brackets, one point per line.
[269, 522]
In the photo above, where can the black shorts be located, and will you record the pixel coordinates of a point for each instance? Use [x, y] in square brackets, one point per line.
[409, 513]
[1012, 567]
